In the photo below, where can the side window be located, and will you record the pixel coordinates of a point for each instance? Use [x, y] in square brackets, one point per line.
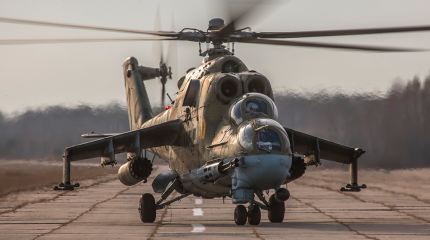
[191, 94]
[246, 136]
[236, 114]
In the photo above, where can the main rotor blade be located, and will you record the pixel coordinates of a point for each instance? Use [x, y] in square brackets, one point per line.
[345, 32]
[71, 40]
[236, 16]
[248, 8]
[65, 25]
[332, 45]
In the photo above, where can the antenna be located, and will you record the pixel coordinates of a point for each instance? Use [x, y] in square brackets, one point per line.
[171, 101]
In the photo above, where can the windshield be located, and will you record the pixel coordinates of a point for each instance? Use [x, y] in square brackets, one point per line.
[246, 135]
[237, 116]
[264, 139]
[256, 107]
[268, 140]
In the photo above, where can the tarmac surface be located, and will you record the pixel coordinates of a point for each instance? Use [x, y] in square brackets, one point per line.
[396, 205]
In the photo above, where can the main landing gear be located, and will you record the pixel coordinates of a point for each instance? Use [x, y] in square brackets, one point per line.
[252, 215]
[148, 206]
[275, 208]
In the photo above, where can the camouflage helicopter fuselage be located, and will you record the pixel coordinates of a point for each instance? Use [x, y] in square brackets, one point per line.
[206, 101]
[220, 137]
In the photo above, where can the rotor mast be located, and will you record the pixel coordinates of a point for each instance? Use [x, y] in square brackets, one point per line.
[215, 27]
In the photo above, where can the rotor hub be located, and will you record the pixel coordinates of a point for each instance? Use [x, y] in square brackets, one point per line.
[216, 24]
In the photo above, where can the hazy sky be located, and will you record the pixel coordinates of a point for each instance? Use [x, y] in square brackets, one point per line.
[73, 73]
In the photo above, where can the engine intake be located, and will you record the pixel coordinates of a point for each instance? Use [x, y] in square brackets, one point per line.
[227, 88]
[258, 84]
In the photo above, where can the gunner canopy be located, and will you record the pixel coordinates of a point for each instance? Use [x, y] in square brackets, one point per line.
[266, 139]
[253, 105]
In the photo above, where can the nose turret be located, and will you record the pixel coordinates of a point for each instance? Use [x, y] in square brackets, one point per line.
[259, 172]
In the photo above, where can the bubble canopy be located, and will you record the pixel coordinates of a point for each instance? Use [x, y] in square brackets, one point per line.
[264, 136]
[253, 105]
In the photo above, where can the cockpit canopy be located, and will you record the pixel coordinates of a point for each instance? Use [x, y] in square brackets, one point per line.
[264, 136]
[253, 105]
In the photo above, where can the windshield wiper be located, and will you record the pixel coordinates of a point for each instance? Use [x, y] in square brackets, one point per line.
[253, 113]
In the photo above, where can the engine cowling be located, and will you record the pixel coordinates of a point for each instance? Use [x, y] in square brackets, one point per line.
[134, 171]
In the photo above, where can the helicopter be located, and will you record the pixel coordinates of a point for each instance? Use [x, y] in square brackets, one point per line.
[221, 136]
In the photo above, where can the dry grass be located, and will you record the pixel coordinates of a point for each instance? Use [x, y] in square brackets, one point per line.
[14, 178]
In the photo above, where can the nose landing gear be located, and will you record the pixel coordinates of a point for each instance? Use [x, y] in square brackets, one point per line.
[275, 208]
[253, 215]
[240, 214]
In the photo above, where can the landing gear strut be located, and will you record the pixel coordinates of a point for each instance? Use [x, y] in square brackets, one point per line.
[148, 206]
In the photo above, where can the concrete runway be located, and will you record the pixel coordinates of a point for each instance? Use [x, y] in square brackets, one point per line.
[395, 206]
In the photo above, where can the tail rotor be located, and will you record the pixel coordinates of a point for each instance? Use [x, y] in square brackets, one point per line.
[164, 71]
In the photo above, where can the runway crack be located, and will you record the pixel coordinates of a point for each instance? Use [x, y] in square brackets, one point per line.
[337, 220]
[91, 208]
[160, 222]
[42, 200]
[254, 230]
[85, 212]
[383, 190]
[393, 208]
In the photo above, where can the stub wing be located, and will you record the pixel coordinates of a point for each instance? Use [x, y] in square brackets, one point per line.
[309, 145]
[314, 149]
[159, 135]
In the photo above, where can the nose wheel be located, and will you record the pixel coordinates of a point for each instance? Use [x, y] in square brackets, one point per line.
[240, 215]
[254, 215]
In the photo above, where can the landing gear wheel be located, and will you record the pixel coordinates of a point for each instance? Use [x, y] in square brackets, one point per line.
[276, 210]
[147, 208]
[254, 217]
[240, 215]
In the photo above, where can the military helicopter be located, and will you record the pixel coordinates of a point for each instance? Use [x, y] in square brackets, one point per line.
[220, 137]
